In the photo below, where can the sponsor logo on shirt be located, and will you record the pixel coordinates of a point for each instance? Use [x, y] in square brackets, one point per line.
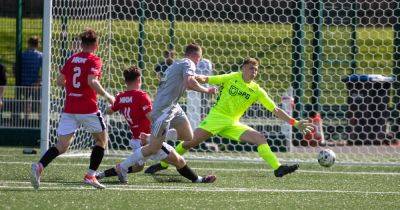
[78, 60]
[125, 100]
[75, 94]
[233, 91]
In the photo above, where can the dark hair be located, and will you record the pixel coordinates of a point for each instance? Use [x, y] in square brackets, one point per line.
[132, 73]
[169, 52]
[192, 48]
[33, 41]
[88, 37]
[253, 61]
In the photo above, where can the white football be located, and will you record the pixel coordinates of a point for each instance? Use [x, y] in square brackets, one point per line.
[326, 157]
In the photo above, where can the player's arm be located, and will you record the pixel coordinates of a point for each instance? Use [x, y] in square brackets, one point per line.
[269, 104]
[95, 84]
[61, 80]
[202, 79]
[109, 110]
[193, 84]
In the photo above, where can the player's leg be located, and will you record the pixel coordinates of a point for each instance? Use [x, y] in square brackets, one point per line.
[211, 125]
[66, 129]
[94, 123]
[134, 144]
[264, 151]
[184, 133]
[113, 172]
[185, 171]
[168, 154]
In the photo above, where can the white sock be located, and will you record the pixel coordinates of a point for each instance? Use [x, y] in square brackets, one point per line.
[199, 179]
[136, 157]
[91, 172]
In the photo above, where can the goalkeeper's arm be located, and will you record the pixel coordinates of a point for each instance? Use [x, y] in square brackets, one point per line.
[303, 125]
[267, 102]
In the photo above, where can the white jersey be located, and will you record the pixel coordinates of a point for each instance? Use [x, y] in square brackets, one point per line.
[172, 86]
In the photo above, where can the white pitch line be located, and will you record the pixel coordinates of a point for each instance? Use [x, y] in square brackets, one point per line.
[199, 189]
[230, 169]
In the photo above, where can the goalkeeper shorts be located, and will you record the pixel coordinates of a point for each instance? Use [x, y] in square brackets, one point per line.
[219, 124]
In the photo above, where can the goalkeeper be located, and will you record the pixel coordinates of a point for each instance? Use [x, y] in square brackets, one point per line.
[238, 91]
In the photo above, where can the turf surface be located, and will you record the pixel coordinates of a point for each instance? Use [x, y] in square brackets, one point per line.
[239, 185]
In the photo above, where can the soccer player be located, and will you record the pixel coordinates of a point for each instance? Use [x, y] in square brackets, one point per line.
[238, 91]
[80, 76]
[135, 105]
[166, 113]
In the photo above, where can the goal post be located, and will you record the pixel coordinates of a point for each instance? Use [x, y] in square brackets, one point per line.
[358, 111]
[46, 68]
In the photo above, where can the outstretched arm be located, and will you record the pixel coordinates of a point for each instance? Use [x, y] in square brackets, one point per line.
[193, 84]
[303, 125]
[95, 84]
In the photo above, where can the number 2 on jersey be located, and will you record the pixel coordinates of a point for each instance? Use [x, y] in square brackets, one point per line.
[77, 73]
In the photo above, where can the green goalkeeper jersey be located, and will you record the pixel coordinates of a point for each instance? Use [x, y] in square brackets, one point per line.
[236, 96]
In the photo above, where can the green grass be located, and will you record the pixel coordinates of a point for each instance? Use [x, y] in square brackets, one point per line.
[239, 186]
[226, 44]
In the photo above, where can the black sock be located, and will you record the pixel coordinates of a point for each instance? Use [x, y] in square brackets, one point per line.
[110, 172]
[96, 157]
[49, 156]
[113, 172]
[188, 173]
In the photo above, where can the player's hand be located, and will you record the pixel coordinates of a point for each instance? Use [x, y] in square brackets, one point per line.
[110, 98]
[304, 126]
[212, 90]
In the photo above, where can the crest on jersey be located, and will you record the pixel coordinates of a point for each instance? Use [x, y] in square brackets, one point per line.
[233, 90]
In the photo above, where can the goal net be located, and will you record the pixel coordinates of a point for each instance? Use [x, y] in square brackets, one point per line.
[332, 62]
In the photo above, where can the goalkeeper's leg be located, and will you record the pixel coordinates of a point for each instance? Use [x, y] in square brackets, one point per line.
[199, 136]
[264, 151]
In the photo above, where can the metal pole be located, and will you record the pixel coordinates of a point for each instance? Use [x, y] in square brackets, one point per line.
[141, 33]
[46, 68]
[316, 14]
[171, 17]
[297, 56]
[353, 39]
[18, 43]
[64, 34]
[396, 69]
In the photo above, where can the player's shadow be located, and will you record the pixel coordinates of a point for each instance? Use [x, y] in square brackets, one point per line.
[166, 178]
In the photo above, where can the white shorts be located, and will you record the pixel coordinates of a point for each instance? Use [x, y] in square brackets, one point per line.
[69, 123]
[170, 117]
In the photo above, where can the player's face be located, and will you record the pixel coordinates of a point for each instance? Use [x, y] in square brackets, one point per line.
[197, 57]
[250, 71]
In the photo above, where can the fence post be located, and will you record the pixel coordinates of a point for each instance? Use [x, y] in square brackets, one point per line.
[353, 40]
[298, 56]
[171, 17]
[141, 14]
[317, 17]
[396, 70]
[18, 43]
